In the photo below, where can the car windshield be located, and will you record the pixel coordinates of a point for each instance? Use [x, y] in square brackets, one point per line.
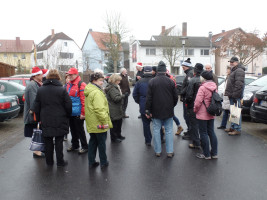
[220, 80]
[264, 89]
[249, 80]
[259, 82]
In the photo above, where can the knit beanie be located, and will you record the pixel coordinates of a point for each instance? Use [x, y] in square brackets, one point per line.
[187, 63]
[207, 75]
[198, 68]
[162, 67]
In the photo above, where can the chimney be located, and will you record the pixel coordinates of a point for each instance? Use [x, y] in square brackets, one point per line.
[53, 33]
[17, 41]
[184, 29]
[163, 30]
[210, 35]
[90, 30]
[223, 31]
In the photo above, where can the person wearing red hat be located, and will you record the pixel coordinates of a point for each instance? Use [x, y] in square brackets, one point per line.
[75, 88]
[30, 95]
[45, 72]
[140, 71]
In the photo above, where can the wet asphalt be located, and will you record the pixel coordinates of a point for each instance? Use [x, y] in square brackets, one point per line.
[134, 172]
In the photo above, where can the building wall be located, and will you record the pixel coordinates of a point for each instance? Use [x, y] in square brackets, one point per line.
[51, 57]
[11, 60]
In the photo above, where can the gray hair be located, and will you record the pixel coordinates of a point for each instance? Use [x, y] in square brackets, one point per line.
[122, 69]
[97, 70]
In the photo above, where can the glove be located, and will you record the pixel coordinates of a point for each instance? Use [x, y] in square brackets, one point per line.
[234, 100]
[126, 94]
[147, 112]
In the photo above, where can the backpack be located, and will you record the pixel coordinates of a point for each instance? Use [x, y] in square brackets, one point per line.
[215, 107]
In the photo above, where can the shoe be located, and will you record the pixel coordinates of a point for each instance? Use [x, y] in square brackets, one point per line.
[139, 117]
[234, 133]
[170, 155]
[186, 137]
[228, 130]
[158, 154]
[105, 165]
[221, 127]
[125, 116]
[179, 130]
[148, 144]
[65, 138]
[64, 164]
[71, 148]
[191, 146]
[201, 156]
[121, 138]
[82, 151]
[116, 141]
[163, 141]
[185, 133]
[214, 157]
[38, 156]
[94, 165]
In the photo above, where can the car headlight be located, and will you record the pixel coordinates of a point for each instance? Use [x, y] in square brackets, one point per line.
[247, 96]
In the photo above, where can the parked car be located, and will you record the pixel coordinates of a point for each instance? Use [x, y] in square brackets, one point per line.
[258, 109]
[20, 80]
[11, 88]
[21, 76]
[249, 93]
[9, 107]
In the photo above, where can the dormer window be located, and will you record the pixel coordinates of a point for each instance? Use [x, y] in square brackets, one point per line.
[219, 39]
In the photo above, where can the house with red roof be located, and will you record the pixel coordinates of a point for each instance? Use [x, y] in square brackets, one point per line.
[58, 51]
[96, 52]
[16, 52]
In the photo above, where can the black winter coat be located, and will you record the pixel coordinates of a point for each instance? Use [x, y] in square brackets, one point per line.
[115, 101]
[53, 108]
[189, 74]
[236, 82]
[161, 97]
[192, 90]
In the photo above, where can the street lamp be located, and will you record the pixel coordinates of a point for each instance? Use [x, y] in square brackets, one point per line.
[183, 43]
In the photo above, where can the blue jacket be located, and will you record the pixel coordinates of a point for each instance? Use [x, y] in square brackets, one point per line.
[140, 91]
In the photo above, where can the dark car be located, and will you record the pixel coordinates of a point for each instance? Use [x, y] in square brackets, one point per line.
[258, 110]
[11, 88]
[9, 107]
[249, 93]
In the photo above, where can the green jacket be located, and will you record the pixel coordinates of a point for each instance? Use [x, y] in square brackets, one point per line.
[96, 109]
[115, 101]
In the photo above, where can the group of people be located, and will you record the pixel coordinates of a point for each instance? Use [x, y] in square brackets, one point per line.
[59, 108]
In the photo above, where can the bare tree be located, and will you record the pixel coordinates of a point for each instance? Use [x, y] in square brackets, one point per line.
[247, 46]
[117, 32]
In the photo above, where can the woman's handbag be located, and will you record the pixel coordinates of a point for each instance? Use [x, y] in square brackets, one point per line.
[235, 114]
[37, 143]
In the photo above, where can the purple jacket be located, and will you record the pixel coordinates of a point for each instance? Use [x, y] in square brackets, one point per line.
[204, 94]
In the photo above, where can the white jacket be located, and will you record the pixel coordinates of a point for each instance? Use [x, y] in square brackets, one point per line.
[226, 101]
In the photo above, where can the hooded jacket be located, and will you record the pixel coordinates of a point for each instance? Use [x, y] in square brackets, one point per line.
[191, 91]
[53, 108]
[189, 74]
[236, 82]
[204, 94]
[96, 109]
[115, 101]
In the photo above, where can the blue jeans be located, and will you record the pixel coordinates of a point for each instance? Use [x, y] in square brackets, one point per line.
[176, 120]
[168, 125]
[225, 117]
[208, 137]
[233, 125]
[186, 118]
[146, 129]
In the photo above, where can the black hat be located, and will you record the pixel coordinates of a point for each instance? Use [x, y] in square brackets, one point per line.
[162, 67]
[207, 75]
[233, 59]
[147, 69]
[154, 68]
[198, 68]
[187, 63]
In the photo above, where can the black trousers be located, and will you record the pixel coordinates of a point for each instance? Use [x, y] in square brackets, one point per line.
[115, 132]
[193, 131]
[125, 104]
[97, 140]
[49, 150]
[77, 132]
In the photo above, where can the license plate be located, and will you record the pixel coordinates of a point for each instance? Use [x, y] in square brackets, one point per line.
[264, 103]
[14, 103]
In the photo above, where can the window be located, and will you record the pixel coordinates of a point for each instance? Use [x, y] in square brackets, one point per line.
[15, 56]
[40, 55]
[23, 56]
[65, 44]
[5, 55]
[189, 52]
[230, 52]
[66, 55]
[205, 52]
[150, 51]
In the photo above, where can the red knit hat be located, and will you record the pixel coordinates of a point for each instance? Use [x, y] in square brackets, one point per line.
[45, 72]
[36, 71]
[139, 64]
[73, 71]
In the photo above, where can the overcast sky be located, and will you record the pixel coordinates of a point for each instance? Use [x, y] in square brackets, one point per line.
[34, 19]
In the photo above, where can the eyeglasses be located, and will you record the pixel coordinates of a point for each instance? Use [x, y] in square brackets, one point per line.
[231, 61]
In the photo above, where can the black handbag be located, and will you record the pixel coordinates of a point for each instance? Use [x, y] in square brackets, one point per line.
[37, 143]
